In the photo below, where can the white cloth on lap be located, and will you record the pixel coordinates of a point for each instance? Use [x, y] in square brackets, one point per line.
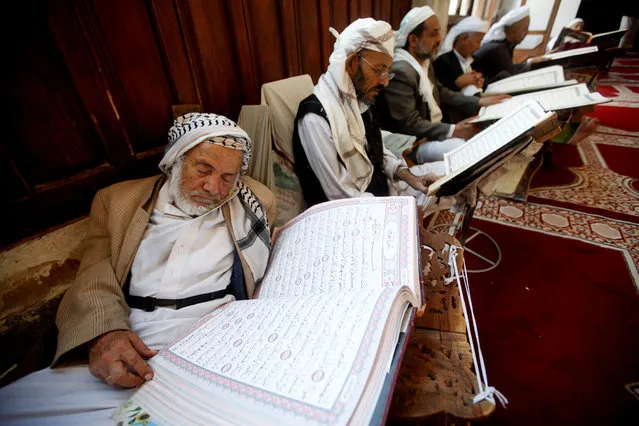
[431, 151]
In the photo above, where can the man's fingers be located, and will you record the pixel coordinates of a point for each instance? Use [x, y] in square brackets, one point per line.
[139, 346]
[99, 370]
[137, 364]
[120, 376]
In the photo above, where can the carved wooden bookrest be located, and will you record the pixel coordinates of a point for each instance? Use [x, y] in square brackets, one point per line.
[436, 383]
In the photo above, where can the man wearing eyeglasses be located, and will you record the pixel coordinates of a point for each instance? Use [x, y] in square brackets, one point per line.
[337, 144]
[411, 103]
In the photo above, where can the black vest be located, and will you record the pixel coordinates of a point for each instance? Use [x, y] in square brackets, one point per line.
[311, 187]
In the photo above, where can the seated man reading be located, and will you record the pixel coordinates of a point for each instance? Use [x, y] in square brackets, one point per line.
[453, 66]
[337, 144]
[160, 253]
[411, 102]
[494, 59]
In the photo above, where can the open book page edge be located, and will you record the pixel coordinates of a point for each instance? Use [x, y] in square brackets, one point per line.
[558, 85]
[388, 300]
[450, 174]
[329, 205]
[570, 53]
[528, 104]
[485, 169]
[304, 255]
[584, 97]
[594, 37]
[556, 73]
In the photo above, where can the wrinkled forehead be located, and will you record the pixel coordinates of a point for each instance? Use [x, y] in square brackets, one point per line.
[432, 24]
[377, 59]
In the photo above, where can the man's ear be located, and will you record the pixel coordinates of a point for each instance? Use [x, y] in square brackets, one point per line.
[413, 40]
[352, 63]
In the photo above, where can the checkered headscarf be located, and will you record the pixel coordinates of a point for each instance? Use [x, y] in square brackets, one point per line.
[191, 129]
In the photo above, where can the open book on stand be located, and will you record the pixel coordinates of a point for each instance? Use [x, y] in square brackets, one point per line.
[569, 39]
[494, 146]
[590, 56]
[317, 343]
[558, 99]
[531, 81]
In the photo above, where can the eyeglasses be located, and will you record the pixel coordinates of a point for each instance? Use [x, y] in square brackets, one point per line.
[381, 75]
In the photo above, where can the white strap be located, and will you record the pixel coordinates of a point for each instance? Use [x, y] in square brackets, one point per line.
[485, 392]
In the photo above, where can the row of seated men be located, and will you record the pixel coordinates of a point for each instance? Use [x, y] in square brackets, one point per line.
[393, 83]
[164, 251]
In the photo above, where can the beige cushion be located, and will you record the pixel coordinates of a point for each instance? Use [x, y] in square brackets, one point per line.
[283, 98]
[254, 119]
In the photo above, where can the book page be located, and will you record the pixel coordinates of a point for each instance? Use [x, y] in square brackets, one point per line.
[551, 100]
[494, 137]
[345, 245]
[569, 53]
[273, 355]
[549, 76]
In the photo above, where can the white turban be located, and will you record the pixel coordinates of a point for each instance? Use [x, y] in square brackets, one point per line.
[497, 32]
[575, 21]
[472, 24]
[413, 18]
[192, 129]
[336, 93]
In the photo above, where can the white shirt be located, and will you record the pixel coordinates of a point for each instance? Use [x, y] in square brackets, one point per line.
[465, 64]
[179, 257]
[317, 141]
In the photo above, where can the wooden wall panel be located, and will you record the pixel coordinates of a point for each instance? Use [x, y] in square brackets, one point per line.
[96, 79]
[311, 37]
[145, 97]
[265, 21]
[50, 135]
[215, 54]
[340, 15]
[175, 54]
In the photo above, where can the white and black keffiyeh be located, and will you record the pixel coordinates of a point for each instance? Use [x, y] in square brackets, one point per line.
[250, 224]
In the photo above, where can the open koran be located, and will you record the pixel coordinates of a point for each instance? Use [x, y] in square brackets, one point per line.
[569, 53]
[544, 78]
[317, 343]
[590, 56]
[557, 99]
[493, 146]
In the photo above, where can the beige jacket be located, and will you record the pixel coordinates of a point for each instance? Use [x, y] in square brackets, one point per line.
[94, 304]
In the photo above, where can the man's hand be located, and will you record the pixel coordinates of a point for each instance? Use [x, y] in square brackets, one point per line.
[420, 183]
[464, 129]
[492, 100]
[116, 358]
[474, 77]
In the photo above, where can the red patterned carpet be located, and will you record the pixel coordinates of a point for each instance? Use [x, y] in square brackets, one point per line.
[559, 316]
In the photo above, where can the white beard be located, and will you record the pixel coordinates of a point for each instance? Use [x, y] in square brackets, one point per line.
[180, 198]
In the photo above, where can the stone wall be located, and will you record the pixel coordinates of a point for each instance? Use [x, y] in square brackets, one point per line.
[33, 277]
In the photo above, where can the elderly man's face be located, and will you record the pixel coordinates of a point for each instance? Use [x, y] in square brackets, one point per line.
[369, 71]
[469, 43]
[427, 45]
[517, 31]
[206, 176]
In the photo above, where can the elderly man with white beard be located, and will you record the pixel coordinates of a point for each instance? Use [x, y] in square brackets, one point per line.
[160, 253]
